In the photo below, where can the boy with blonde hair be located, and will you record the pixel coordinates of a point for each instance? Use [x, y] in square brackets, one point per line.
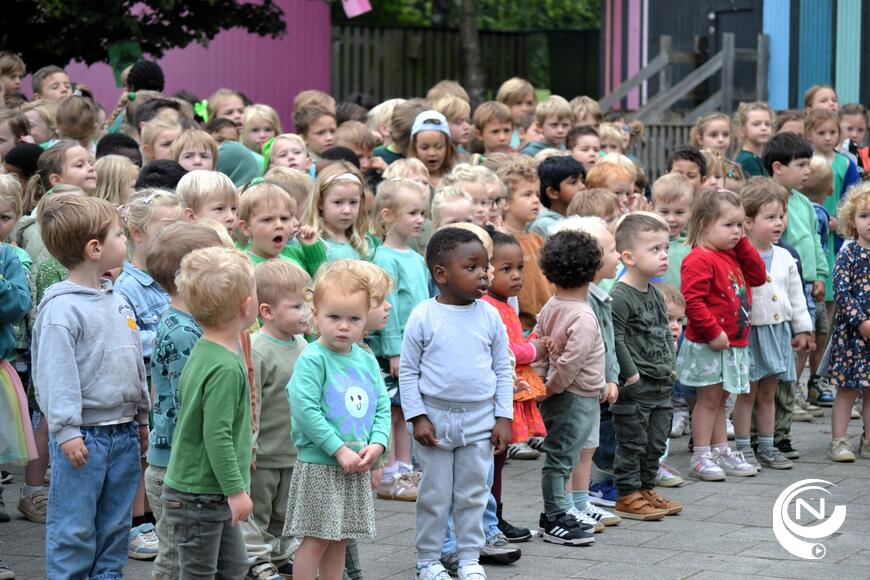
[598, 202]
[672, 196]
[494, 126]
[555, 118]
[587, 112]
[359, 139]
[209, 194]
[282, 292]
[613, 174]
[195, 149]
[458, 114]
[208, 477]
[86, 335]
[298, 184]
[451, 205]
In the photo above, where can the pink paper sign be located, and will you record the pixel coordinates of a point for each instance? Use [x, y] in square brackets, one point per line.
[356, 7]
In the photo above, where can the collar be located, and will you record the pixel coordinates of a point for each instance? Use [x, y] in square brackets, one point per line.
[599, 293]
[140, 276]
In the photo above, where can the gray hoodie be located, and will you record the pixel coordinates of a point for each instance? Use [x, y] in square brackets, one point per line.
[87, 360]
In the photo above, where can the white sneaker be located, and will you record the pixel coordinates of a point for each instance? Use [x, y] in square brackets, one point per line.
[433, 571]
[841, 451]
[143, 543]
[581, 517]
[472, 572]
[799, 415]
[729, 428]
[680, 424]
[599, 515]
[733, 463]
[705, 468]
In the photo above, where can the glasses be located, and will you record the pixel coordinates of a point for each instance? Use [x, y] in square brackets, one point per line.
[494, 202]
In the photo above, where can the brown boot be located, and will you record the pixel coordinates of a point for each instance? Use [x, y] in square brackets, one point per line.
[635, 507]
[658, 502]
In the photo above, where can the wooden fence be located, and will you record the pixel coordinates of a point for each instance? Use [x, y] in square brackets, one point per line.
[659, 142]
[405, 62]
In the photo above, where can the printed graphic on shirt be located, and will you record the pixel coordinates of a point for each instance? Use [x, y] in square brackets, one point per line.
[351, 401]
[738, 284]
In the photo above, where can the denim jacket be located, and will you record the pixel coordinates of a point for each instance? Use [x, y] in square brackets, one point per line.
[147, 299]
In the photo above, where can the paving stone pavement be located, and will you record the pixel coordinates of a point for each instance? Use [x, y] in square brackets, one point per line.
[724, 531]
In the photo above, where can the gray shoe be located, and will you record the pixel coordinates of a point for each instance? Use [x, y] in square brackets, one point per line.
[5, 572]
[498, 550]
[774, 459]
[4, 516]
[749, 456]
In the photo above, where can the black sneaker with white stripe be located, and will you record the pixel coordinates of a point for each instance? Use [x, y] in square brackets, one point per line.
[565, 530]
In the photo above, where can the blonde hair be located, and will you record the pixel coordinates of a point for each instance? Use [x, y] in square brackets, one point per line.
[376, 278]
[447, 88]
[706, 208]
[173, 243]
[265, 194]
[51, 162]
[220, 229]
[454, 108]
[339, 172]
[548, 152]
[821, 178]
[394, 195]
[47, 111]
[258, 112]
[291, 137]
[810, 94]
[216, 98]
[10, 193]
[199, 187]
[701, 125]
[597, 201]
[213, 282]
[382, 113]
[407, 168]
[465, 173]
[278, 278]
[670, 293]
[140, 208]
[590, 224]
[67, 222]
[759, 192]
[152, 129]
[857, 197]
[818, 117]
[741, 117]
[672, 188]
[520, 169]
[513, 90]
[299, 185]
[628, 228]
[76, 118]
[314, 97]
[114, 174]
[491, 111]
[193, 138]
[341, 276]
[583, 106]
[610, 131]
[354, 134]
[478, 231]
[444, 195]
[554, 106]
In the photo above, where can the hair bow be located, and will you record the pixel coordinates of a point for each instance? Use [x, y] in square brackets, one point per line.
[201, 110]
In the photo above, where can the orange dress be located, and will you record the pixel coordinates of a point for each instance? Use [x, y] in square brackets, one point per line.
[527, 420]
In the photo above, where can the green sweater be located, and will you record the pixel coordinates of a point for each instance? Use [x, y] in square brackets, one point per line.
[337, 399]
[601, 304]
[750, 164]
[411, 287]
[211, 447]
[309, 258]
[677, 250]
[642, 338]
[273, 366]
[545, 220]
[802, 234]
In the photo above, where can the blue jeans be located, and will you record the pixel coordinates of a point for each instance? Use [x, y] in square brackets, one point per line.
[90, 507]
[490, 521]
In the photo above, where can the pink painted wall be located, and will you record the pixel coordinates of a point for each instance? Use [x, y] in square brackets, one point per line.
[270, 71]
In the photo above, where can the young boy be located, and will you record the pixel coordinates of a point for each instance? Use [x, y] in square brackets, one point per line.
[86, 335]
[470, 405]
[359, 139]
[672, 196]
[209, 195]
[584, 145]
[206, 483]
[267, 216]
[645, 351]
[575, 382]
[281, 290]
[522, 207]
[597, 202]
[610, 174]
[177, 333]
[561, 178]
[51, 83]
[494, 126]
[688, 161]
[316, 125]
[555, 118]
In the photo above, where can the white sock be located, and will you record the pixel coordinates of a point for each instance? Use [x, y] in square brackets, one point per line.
[390, 473]
[463, 563]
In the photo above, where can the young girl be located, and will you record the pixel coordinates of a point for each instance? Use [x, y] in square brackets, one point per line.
[287, 150]
[42, 118]
[716, 279]
[431, 144]
[334, 211]
[754, 123]
[779, 321]
[13, 128]
[259, 124]
[399, 216]
[713, 132]
[821, 97]
[341, 422]
[195, 149]
[226, 104]
[854, 122]
[158, 135]
[849, 370]
[789, 121]
[116, 178]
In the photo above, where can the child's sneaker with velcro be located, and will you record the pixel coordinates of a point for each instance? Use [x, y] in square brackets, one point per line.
[472, 572]
[432, 571]
[565, 530]
[602, 516]
[670, 507]
[635, 506]
[585, 520]
[603, 494]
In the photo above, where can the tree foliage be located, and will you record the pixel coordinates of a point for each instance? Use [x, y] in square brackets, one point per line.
[59, 31]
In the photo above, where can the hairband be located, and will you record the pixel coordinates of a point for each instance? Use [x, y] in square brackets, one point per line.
[348, 176]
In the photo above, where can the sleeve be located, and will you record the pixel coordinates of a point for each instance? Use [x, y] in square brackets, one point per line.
[847, 283]
[751, 263]
[621, 313]
[524, 352]
[220, 396]
[305, 390]
[571, 361]
[409, 367]
[57, 381]
[391, 335]
[501, 366]
[312, 257]
[851, 178]
[821, 259]
[15, 301]
[380, 432]
[260, 372]
[800, 317]
[697, 276]
[47, 274]
[611, 364]
[146, 337]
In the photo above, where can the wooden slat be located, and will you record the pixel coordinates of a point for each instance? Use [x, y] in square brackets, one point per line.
[653, 68]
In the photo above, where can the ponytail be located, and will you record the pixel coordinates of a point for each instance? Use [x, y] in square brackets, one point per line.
[33, 192]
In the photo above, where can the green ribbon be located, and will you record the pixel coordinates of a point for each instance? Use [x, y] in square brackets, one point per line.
[201, 110]
[267, 148]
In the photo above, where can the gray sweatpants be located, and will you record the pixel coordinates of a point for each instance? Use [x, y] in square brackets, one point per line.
[454, 473]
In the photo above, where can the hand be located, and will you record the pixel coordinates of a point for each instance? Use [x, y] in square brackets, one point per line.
[27, 139]
[818, 291]
[833, 225]
[501, 434]
[75, 451]
[306, 235]
[522, 385]
[801, 342]
[368, 455]
[348, 459]
[541, 348]
[394, 367]
[553, 347]
[864, 329]
[143, 439]
[424, 431]
[720, 342]
[632, 379]
[241, 507]
[610, 393]
[377, 476]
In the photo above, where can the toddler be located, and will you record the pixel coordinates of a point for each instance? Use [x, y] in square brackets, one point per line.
[561, 180]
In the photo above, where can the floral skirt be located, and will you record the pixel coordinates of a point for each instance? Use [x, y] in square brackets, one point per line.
[698, 365]
[16, 435]
[527, 421]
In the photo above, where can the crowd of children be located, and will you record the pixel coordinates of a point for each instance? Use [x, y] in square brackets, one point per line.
[219, 341]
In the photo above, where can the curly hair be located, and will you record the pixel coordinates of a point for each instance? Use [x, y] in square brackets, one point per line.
[857, 197]
[570, 259]
[443, 244]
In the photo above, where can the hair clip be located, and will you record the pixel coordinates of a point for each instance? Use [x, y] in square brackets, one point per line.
[201, 110]
[131, 96]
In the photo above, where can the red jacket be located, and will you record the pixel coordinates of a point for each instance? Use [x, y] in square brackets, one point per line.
[716, 285]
